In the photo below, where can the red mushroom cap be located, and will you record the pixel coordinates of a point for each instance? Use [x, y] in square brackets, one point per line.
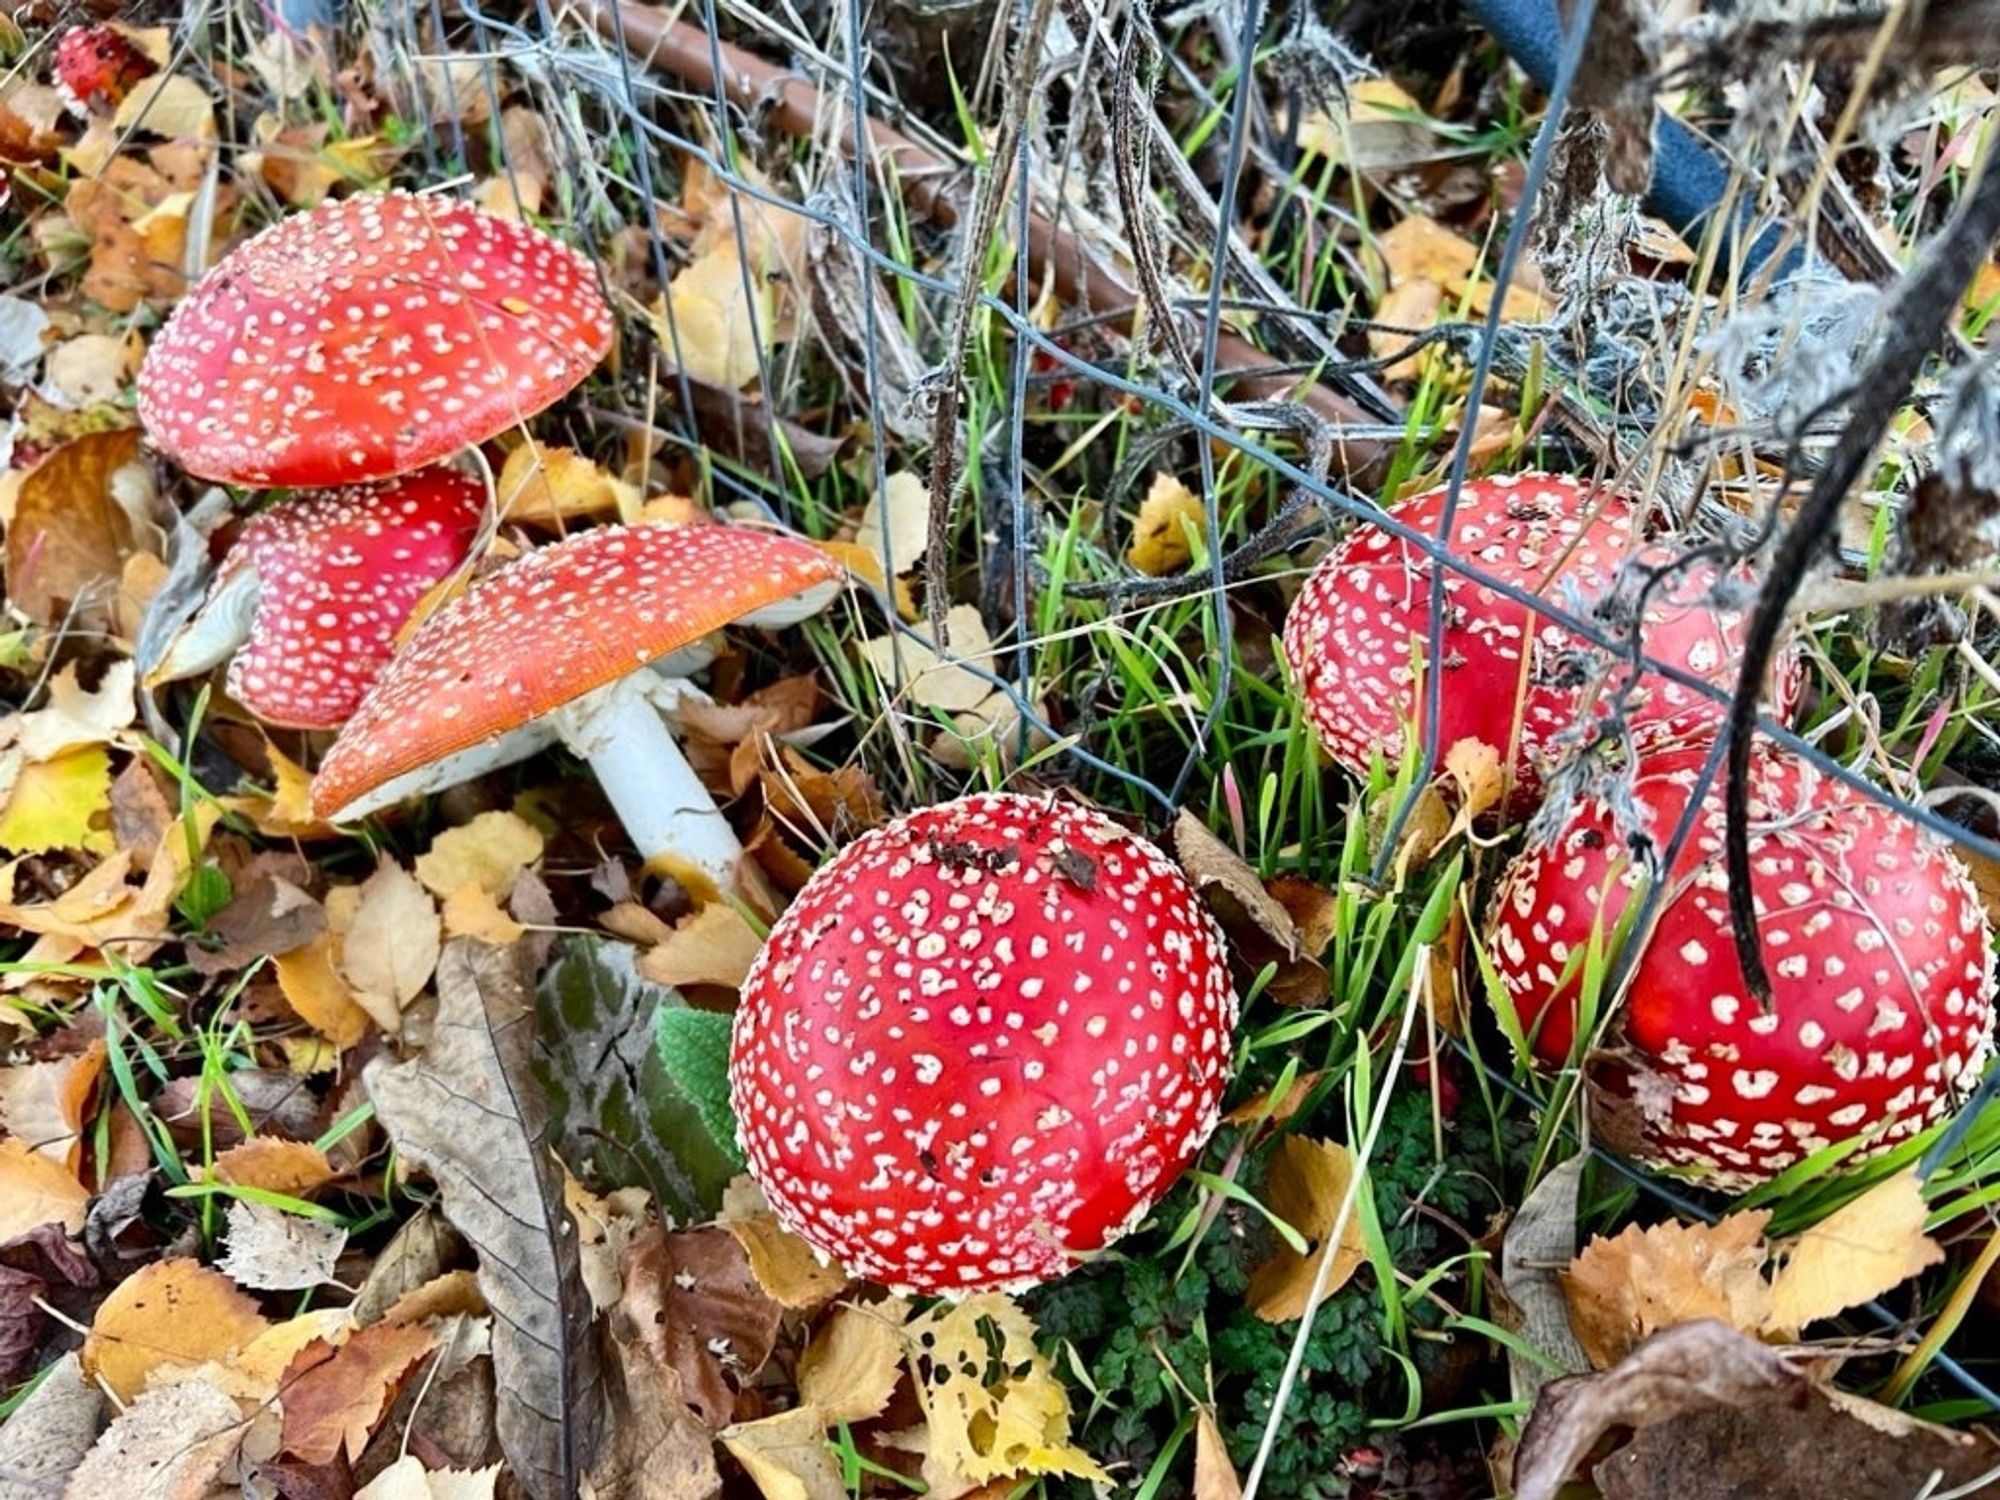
[1881, 971]
[367, 337]
[338, 572]
[96, 67]
[1353, 637]
[983, 1041]
[560, 622]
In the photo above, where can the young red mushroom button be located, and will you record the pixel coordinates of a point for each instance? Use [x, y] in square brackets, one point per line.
[1355, 634]
[1882, 972]
[307, 604]
[982, 1042]
[96, 66]
[553, 646]
[368, 337]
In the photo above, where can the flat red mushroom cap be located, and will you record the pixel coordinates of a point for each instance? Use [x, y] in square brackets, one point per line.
[338, 573]
[1355, 634]
[368, 337]
[981, 1043]
[560, 622]
[1881, 971]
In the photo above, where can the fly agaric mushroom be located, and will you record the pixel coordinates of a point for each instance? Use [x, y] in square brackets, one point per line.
[1882, 971]
[552, 647]
[981, 1043]
[1353, 636]
[307, 603]
[368, 337]
[96, 66]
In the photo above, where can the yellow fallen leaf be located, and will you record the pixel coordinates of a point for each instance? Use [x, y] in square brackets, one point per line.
[851, 1367]
[714, 945]
[312, 986]
[408, 1479]
[903, 507]
[784, 1265]
[930, 679]
[64, 803]
[866, 566]
[489, 852]
[470, 912]
[172, 1312]
[77, 716]
[1854, 1254]
[389, 943]
[540, 484]
[1474, 768]
[1170, 517]
[35, 1190]
[716, 321]
[786, 1456]
[1305, 1186]
[994, 1406]
[168, 104]
[1381, 128]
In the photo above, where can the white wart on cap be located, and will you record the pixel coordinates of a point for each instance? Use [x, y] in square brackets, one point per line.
[982, 1043]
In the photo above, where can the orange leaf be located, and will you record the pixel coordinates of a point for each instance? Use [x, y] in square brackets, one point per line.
[173, 1312]
[332, 1398]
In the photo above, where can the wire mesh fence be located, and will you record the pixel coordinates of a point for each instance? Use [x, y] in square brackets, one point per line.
[1008, 234]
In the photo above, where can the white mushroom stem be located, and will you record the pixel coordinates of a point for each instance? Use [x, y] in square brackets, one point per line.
[667, 813]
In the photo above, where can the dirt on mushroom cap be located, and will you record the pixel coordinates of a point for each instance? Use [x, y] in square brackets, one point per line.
[340, 570]
[981, 1043]
[1882, 972]
[558, 623]
[368, 337]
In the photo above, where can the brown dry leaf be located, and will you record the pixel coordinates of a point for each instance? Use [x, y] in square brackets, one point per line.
[1413, 305]
[312, 986]
[994, 1405]
[332, 1398]
[904, 501]
[853, 1364]
[1214, 1475]
[546, 486]
[1702, 1410]
[70, 536]
[701, 1312]
[1169, 516]
[1231, 886]
[1275, 1110]
[1314, 910]
[173, 1443]
[786, 1456]
[1306, 1184]
[286, 811]
[294, 1168]
[408, 1479]
[489, 852]
[41, 1104]
[1623, 1290]
[390, 944]
[172, 1312]
[450, 1295]
[784, 1265]
[714, 945]
[35, 1190]
[1854, 1254]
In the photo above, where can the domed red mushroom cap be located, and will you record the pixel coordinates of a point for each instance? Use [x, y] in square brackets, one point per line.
[1881, 960]
[367, 337]
[982, 1043]
[310, 598]
[1355, 633]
